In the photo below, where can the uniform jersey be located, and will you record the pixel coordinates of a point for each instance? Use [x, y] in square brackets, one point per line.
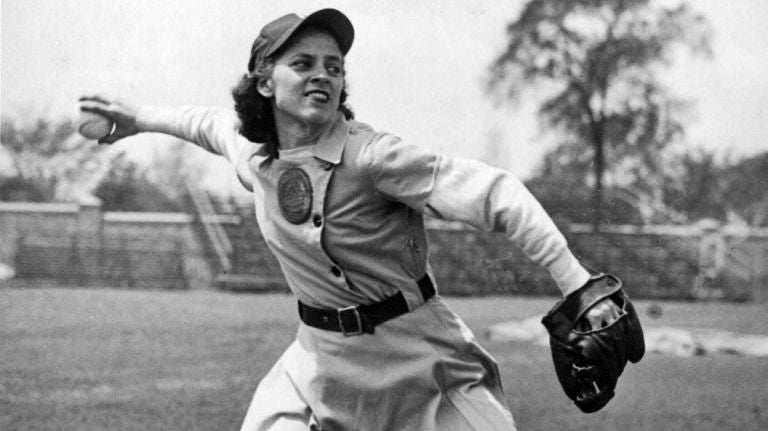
[344, 217]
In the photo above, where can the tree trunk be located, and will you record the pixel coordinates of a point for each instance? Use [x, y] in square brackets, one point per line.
[598, 142]
[597, 197]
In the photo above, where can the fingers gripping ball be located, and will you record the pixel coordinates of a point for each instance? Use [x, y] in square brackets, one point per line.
[588, 360]
[93, 125]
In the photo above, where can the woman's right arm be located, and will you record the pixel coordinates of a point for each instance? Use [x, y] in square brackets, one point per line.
[214, 129]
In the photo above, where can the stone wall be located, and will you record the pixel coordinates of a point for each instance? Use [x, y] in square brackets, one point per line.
[79, 244]
[76, 243]
[680, 262]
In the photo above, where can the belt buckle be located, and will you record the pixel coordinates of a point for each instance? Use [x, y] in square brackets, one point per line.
[344, 331]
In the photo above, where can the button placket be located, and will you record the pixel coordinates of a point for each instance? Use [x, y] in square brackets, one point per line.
[300, 248]
[324, 174]
[318, 210]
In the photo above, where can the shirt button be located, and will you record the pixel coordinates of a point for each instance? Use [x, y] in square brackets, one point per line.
[317, 220]
[336, 271]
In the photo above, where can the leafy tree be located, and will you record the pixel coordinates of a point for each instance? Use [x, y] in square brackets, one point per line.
[561, 187]
[127, 188]
[745, 191]
[174, 166]
[559, 184]
[160, 185]
[725, 190]
[599, 61]
[48, 159]
[697, 189]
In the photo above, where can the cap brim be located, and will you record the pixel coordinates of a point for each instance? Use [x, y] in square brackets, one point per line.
[332, 20]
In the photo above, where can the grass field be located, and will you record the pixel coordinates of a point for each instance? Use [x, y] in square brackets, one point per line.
[74, 359]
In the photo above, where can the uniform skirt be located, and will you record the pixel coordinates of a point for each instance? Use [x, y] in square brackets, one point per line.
[421, 371]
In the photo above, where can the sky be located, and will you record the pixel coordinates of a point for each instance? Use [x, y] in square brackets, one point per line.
[416, 69]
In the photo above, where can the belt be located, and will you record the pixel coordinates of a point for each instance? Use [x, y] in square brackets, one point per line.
[362, 319]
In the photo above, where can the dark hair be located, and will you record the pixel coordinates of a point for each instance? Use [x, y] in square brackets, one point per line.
[257, 122]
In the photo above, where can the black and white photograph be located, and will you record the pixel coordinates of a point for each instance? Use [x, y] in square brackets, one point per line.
[370, 215]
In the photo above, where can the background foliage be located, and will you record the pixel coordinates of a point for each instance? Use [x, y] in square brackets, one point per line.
[599, 62]
[49, 161]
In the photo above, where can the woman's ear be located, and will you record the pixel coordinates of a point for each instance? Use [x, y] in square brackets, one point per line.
[266, 87]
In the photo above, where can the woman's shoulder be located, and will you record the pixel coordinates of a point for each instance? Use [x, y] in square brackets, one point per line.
[364, 134]
[357, 127]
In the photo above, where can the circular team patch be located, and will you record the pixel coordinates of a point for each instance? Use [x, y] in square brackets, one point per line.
[294, 193]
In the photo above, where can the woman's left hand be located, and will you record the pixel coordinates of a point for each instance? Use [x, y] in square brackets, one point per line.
[601, 314]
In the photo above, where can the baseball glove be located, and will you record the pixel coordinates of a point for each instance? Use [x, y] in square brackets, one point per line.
[589, 361]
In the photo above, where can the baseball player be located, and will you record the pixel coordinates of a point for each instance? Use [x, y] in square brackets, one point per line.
[341, 206]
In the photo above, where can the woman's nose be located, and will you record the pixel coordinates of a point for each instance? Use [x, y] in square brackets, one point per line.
[320, 75]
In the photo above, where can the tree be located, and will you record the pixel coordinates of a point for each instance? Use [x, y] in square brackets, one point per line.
[175, 165]
[559, 184]
[160, 185]
[726, 190]
[561, 187]
[127, 188]
[48, 159]
[745, 191]
[698, 187]
[600, 60]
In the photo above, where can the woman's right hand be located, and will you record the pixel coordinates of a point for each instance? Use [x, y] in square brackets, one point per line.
[121, 112]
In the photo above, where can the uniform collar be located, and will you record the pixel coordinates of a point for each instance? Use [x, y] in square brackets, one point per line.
[330, 146]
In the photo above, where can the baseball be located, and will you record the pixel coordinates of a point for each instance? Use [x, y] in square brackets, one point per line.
[93, 126]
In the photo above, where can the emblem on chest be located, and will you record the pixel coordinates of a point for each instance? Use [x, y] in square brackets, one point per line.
[294, 193]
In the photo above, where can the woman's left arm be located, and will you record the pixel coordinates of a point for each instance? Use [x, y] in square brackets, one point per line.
[469, 191]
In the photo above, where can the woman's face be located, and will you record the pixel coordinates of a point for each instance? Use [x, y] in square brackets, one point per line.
[306, 82]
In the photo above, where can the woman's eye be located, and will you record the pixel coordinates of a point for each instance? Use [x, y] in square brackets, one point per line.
[301, 64]
[334, 70]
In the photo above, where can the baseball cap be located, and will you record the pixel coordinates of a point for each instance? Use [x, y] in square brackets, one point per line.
[275, 34]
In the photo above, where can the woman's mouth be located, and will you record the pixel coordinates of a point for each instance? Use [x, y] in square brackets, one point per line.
[318, 96]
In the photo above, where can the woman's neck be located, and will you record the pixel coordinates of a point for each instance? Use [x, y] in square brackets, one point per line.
[295, 134]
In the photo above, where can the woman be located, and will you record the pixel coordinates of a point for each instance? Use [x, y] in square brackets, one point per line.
[341, 206]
